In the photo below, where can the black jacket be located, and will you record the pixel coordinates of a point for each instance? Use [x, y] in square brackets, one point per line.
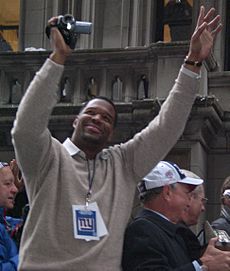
[153, 243]
[223, 222]
[194, 248]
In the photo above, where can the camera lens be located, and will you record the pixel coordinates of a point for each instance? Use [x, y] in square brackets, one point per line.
[67, 19]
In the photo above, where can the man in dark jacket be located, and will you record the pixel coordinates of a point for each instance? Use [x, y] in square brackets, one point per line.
[153, 240]
[223, 221]
[190, 217]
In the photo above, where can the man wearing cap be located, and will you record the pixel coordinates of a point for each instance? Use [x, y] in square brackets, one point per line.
[153, 241]
[190, 217]
[8, 191]
[197, 203]
[223, 221]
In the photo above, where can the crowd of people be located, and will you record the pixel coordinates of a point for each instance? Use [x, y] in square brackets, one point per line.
[81, 192]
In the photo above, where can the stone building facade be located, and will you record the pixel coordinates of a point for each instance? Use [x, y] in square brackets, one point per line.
[127, 58]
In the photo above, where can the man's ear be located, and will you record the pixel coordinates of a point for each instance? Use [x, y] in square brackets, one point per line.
[75, 122]
[166, 192]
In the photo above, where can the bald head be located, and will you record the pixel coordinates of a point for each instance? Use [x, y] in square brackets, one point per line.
[8, 190]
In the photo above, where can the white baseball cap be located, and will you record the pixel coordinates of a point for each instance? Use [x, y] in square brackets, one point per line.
[226, 192]
[165, 173]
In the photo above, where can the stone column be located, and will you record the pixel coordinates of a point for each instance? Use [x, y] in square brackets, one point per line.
[4, 88]
[34, 15]
[88, 13]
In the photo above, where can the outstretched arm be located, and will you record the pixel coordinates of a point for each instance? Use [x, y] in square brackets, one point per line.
[162, 133]
[31, 124]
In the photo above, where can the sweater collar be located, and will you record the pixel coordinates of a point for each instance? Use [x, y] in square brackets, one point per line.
[72, 149]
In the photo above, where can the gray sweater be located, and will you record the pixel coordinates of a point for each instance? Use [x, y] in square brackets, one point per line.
[55, 180]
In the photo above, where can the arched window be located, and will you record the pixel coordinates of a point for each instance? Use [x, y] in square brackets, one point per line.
[66, 92]
[175, 20]
[117, 89]
[227, 38]
[16, 92]
[143, 88]
[92, 88]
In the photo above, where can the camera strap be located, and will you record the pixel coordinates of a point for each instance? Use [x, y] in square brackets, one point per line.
[48, 29]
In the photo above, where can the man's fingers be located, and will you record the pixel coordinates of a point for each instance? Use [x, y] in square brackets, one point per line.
[55, 34]
[209, 15]
[53, 20]
[199, 31]
[213, 241]
[201, 16]
[214, 23]
[217, 30]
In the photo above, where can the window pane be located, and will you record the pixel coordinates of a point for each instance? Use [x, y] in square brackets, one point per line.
[177, 20]
[227, 38]
[9, 22]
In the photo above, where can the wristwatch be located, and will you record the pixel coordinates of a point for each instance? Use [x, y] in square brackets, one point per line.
[192, 63]
[203, 267]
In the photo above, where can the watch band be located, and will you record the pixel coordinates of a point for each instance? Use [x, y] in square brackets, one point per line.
[193, 63]
[203, 267]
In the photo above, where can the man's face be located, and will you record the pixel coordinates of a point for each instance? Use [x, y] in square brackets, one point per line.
[8, 190]
[95, 123]
[197, 206]
[226, 201]
[180, 200]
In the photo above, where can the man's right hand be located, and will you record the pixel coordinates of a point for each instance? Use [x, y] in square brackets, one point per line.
[214, 258]
[60, 49]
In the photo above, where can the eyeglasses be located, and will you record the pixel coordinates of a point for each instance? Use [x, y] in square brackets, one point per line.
[204, 200]
[3, 164]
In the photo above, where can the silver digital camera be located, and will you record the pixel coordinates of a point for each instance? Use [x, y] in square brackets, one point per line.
[223, 242]
[70, 29]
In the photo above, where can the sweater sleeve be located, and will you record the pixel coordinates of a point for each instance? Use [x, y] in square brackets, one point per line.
[153, 143]
[30, 135]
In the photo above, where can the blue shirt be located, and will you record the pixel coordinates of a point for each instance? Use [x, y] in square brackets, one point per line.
[8, 251]
[8, 248]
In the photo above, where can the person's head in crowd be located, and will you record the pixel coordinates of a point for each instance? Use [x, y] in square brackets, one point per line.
[225, 192]
[8, 189]
[167, 190]
[197, 203]
[94, 125]
[18, 179]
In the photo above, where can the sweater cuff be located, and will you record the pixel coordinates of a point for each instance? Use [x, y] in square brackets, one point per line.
[190, 73]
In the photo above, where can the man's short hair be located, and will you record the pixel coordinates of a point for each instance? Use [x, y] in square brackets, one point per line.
[146, 196]
[104, 99]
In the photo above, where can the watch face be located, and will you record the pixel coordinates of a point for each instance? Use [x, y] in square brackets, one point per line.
[204, 268]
